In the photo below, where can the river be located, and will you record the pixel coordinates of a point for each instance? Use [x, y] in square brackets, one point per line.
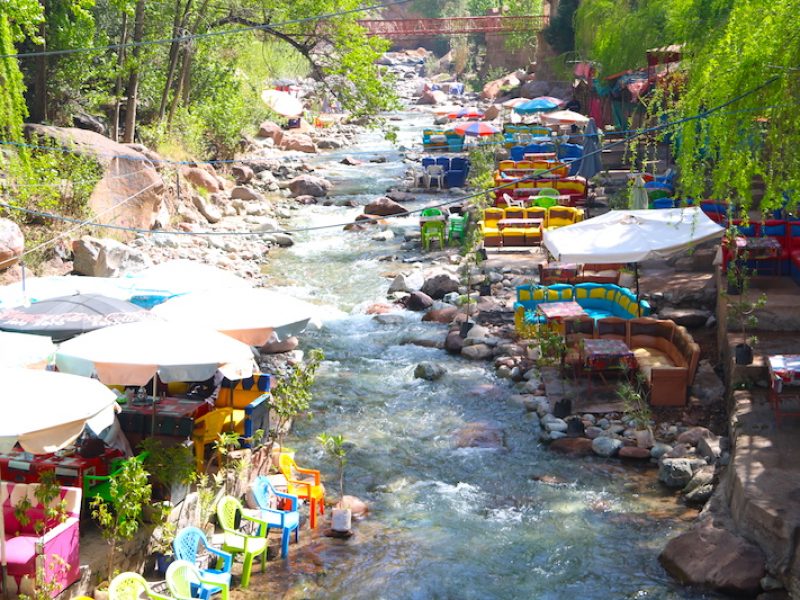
[444, 522]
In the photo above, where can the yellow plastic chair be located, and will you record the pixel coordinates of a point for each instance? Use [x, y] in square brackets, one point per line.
[208, 427]
[236, 541]
[304, 487]
[130, 586]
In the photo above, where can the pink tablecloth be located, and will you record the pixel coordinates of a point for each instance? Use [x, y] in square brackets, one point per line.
[556, 311]
[605, 354]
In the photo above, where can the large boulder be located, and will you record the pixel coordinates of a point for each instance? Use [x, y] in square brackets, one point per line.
[211, 213]
[12, 243]
[309, 185]
[270, 130]
[130, 190]
[715, 558]
[407, 283]
[676, 472]
[242, 174]
[201, 178]
[384, 207]
[492, 89]
[707, 386]
[439, 285]
[242, 192]
[575, 446]
[106, 257]
[298, 142]
[534, 89]
[454, 343]
[432, 97]
[418, 301]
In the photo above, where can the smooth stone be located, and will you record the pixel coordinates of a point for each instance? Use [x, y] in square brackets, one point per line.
[634, 453]
[572, 446]
[429, 371]
[606, 446]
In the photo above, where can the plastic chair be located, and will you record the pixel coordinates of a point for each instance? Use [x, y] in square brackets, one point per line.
[434, 173]
[208, 427]
[548, 191]
[444, 162]
[433, 230]
[185, 582]
[457, 229]
[127, 586]
[100, 485]
[236, 541]
[458, 163]
[428, 161]
[431, 212]
[545, 201]
[311, 489]
[186, 545]
[286, 520]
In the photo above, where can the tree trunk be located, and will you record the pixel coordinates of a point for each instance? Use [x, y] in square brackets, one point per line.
[123, 39]
[178, 24]
[132, 91]
[182, 90]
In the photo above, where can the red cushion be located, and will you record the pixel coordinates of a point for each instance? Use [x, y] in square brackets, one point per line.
[21, 554]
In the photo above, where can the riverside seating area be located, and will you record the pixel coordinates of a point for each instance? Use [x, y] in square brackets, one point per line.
[105, 400]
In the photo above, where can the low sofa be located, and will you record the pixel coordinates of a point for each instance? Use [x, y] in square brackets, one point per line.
[597, 299]
[59, 546]
[439, 139]
[552, 218]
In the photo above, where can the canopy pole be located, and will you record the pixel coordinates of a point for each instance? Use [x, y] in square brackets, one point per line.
[636, 279]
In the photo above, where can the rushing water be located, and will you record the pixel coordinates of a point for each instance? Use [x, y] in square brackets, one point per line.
[444, 522]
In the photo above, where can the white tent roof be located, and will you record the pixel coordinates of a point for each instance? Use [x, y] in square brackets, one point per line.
[627, 236]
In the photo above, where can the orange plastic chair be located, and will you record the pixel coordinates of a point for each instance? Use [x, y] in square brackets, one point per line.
[305, 488]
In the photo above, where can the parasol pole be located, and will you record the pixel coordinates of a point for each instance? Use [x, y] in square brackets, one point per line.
[636, 278]
[155, 388]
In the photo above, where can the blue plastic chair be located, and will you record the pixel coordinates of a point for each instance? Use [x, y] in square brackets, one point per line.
[186, 544]
[663, 203]
[458, 163]
[286, 520]
[516, 153]
[443, 161]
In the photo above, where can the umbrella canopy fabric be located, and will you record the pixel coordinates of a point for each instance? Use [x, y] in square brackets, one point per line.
[565, 117]
[638, 199]
[65, 317]
[465, 113]
[24, 350]
[476, 129]
[173, 278]
[629, 236]
[591, 163]
[536, 105]
[36, 289]
[45, 411]
[282, 103]
[250, 316]
[133, 353]
[514, 102]
[446, 109]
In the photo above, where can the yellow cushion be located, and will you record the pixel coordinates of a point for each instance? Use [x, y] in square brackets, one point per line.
[524, 295]
[597, 293]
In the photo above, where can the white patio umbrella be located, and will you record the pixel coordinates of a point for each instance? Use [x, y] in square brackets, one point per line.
[24, 349]
[133, 353]
[46, 411]
[564, 117]
[282, 103]
[251, 316]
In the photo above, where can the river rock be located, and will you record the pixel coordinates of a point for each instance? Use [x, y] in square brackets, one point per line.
[384, 207]
[534, 89]
[570, 446]
[358, 507]
[399, 196]
[479, 435]
[306, 200]
[441, 315]
[351, 162]
[439, 285]
[201, 178]
[309, 185]
[606, 446]
[712, 557]
[429, 371]
[270, 130]
[432, 97]
[694, 435]
[106, 257]
[284, 240]
[418, 301]
[554, 424]
[675, 472]
[383, 236]
[242, 192]
[407, 283]
[242, 174]
[691, 318]
[208, 210]
[659, 449]
[634, 453]
[287, 345]
[12, 243]
[477, 352]
[707, 386]
[298, 142]
[379, 309]
[454, 343]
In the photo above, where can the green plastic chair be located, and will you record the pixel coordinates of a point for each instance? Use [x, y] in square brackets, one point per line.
[548, 191]
[545, 201]
[185, 582]
[432, 230]
[100, 485]
[236, 541]
[457, 228]
[431, 212]
[129, 586]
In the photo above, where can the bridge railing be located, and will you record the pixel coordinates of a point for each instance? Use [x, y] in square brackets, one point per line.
[453, 25]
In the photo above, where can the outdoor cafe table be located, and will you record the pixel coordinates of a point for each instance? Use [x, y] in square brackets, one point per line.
[784, 371]
[69, 466]
[603, 355]
[525, 223]
[556, 312]
[759, 248]
[557, 272]
[174, 416]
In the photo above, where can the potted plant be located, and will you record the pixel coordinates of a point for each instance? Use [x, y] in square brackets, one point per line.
[637, 410]
[291, 397]
[120, 517]
[741, 311]
[171, 468]
[334, 446]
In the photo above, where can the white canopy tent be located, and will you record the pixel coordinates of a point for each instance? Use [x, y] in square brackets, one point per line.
[631, 236]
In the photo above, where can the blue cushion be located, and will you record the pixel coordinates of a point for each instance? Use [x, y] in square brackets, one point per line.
[747, 230]
[534, 318]
[774, 230]
[597, 313]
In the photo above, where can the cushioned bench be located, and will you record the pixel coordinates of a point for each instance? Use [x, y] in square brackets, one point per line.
[599, 300]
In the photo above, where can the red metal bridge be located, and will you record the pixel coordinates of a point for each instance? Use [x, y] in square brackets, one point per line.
[397, 28]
